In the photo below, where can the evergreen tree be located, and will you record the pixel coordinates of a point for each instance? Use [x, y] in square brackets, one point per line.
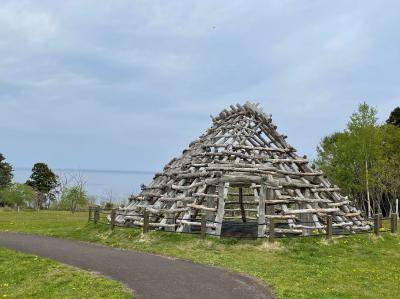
[44, 181]
[5, 173]
[394, 118]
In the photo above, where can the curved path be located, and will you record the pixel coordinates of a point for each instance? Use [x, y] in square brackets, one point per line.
[149, 276]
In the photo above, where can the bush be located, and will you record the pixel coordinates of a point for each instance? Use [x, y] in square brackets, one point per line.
[17, 195]
[73, 198]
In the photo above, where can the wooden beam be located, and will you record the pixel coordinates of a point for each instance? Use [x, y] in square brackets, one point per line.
[317, 210]
[201, 207]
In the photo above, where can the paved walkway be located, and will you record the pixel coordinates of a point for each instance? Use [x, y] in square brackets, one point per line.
[149, 276]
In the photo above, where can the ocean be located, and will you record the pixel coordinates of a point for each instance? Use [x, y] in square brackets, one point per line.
[104, 185]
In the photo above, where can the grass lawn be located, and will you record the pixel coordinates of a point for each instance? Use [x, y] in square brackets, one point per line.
[354, 267]
[29, 276]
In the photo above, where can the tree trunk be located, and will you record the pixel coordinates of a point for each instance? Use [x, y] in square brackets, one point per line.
[367, 185]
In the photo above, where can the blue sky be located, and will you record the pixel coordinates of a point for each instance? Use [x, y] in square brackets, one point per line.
[128, 84]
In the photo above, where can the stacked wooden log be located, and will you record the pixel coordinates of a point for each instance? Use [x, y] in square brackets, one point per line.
[241, 168]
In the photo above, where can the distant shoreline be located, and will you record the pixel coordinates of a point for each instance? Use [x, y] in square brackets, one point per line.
[92, 170]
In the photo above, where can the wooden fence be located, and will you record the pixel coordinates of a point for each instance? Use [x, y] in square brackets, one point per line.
[107, 217]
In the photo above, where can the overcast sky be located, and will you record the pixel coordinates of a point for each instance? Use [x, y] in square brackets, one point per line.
[129, 84]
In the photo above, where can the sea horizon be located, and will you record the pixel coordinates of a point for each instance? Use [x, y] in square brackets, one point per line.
[103, 184]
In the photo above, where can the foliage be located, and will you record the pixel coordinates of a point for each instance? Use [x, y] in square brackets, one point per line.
[353, 267]
[44, 181]
[29, 276]
[394, 118]
[363, 160]
[364, 117]
[18, 195]
[342, 155]
[386, 171]
[5, 172]
[73, 198]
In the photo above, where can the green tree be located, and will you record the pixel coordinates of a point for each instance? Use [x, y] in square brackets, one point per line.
[336, 160]
[364, 132]
[386, 171]
[364, 117]
[18, 195]
[5, 172]
[394, 118]
[364, 160]
[347, 157]
[73, 198]
[44, 181]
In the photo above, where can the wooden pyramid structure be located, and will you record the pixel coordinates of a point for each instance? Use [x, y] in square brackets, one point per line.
[240, 170]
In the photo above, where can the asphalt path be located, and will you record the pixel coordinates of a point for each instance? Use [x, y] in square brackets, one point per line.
[147, 275]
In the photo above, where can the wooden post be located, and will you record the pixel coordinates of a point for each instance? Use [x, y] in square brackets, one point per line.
[261, 211]
[393, 223]
[377, 225]
[96, 214]
[203, 226]
[173, 222]
[307, 218]
[90, 214]
[219, 218]
[211, 203]
[329, 230]
[113, 215]
[380, 220]
[271, 238]
[241, 204]
[146, 221]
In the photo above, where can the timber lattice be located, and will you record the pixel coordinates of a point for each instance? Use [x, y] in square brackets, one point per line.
[242, 152]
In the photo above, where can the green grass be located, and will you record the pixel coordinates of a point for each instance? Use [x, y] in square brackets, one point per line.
[28, 276]
[354, 267]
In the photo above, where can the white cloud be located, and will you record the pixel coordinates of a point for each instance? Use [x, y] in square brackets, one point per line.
[20, 23]
[113, 73]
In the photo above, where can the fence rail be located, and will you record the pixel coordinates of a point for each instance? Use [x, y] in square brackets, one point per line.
[108, 217]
